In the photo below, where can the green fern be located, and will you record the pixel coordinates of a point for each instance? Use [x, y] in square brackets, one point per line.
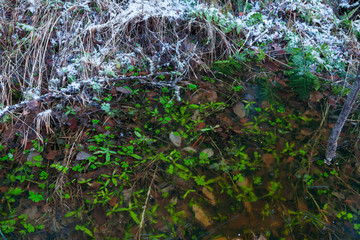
[227, 67]
[301, 79]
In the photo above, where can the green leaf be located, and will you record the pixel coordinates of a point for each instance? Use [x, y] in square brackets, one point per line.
[136, 156]
[69, 214]
[182, 167]
[84, 229]
[134, 217]
[138, 134]
[194, 106]
[114, 181]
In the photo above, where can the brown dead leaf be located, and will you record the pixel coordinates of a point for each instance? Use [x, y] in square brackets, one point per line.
[201, 216]
[3, 189]
[290, 159]
[238, 129]
[52, 154]
[269, 65]
[72, 122]
[204, 96]
[224, 119]
[248, 207]
[312, 114]
[316, 96]
[201, 125]
[95, 185]
[306, 132]
[302, 205]
[268, 159]
[210, 196]
[113, 201]
[244, 120]
[99, 215]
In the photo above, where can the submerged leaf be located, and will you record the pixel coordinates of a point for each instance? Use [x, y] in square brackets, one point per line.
[175, 138]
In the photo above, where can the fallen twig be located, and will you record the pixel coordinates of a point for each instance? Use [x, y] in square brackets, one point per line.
[345, 111]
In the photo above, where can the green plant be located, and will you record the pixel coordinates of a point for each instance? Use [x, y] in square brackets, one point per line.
[266, 211]
[9, 195]
[192, 86]
[36, 197]
[70, 111]
[43, 175]
[301, 78]
[59, 167]
[95, 121]
[228, 67]
[345, 215]
[357, 227]
[84, 229]
[237, 88]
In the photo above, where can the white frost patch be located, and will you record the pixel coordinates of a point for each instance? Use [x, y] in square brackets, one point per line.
[45, 113]
[54, 84]
[267, 24]
[32, 93]
[74, 86]
[143, 10]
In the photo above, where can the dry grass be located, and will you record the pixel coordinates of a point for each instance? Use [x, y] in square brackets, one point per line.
[69, 46]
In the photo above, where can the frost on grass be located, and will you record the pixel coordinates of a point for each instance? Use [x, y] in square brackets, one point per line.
[316, 29]
[140, 10]
[88, 47]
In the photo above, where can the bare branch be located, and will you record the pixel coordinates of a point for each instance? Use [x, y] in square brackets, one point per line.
[345, 111]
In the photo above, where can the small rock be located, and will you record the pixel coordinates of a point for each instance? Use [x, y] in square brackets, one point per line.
[196, 115]
[83, 156]
[206, 153]
[127, 194]
[123, 90]
[339, 195]
[175, 138]
[189, 149]
[239, 110]
[31, 212]
[30, 157]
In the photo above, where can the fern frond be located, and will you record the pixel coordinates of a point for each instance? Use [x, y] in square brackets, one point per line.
[228, 67]
[302, 82]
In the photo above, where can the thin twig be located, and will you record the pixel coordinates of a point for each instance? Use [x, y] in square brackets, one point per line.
[146, 202]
